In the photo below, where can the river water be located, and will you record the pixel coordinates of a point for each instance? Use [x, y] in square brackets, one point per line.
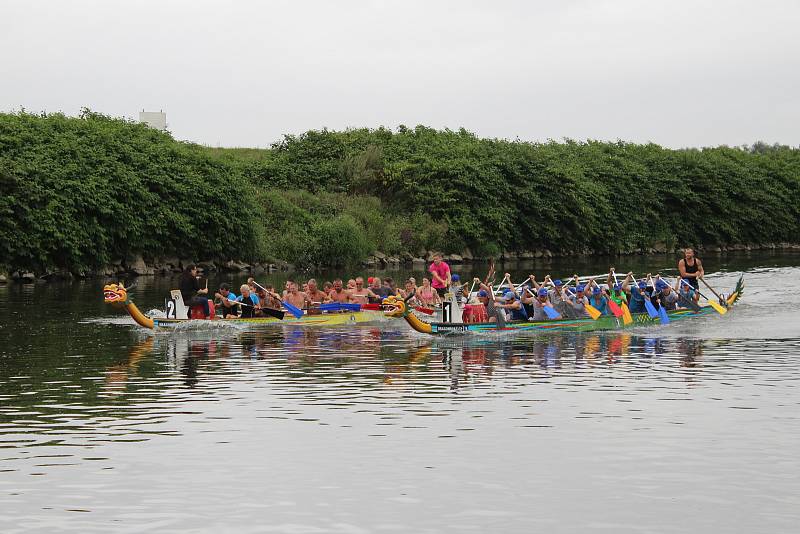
[690, 427]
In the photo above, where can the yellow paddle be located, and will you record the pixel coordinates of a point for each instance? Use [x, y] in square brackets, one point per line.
[715, 305]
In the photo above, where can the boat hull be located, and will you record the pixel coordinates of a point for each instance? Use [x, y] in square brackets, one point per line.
[566, 325]
[323, 319]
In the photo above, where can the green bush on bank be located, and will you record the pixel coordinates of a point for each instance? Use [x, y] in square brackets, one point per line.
[79, 193]
[502, 195]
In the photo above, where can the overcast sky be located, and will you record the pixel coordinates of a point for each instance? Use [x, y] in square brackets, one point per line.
[678, 73]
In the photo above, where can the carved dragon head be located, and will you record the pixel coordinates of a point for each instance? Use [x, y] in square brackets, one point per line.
[394, 307]
[115, 294]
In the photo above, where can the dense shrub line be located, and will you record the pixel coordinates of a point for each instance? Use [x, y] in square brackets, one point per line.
[78, 193]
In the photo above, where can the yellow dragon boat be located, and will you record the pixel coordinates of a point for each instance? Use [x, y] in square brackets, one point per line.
[117, 295]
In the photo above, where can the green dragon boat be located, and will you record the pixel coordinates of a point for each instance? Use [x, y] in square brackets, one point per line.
[396, 307]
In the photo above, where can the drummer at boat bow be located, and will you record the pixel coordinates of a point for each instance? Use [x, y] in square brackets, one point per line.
[191, 292]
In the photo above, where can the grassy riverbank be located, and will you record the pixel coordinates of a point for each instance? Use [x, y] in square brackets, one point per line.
[82, 193]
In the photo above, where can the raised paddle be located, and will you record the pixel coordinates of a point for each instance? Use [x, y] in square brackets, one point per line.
[626, 312]
[291, 308]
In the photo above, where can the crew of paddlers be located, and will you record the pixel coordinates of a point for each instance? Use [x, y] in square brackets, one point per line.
[531, 299]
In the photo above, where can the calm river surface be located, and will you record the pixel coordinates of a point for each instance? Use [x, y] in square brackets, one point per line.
[692, 427]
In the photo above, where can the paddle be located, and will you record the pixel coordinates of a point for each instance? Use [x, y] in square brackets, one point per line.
[548, 310]
[593, 312]
[615, 309]
[278, 314]
[340, 306]
[291, 308]
[715, 305]
[686, 302]
[702, 279]
[626, 312]
[651, 310]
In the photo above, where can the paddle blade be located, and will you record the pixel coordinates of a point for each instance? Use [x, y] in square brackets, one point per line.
[551, 312]
[627, 318]
[615, 309]
[651, 310]
[662, 315]
[718, 307]
[593, 312]
[278, 314]
[294, 310]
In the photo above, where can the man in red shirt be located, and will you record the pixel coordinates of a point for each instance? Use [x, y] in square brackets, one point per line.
[441, 275]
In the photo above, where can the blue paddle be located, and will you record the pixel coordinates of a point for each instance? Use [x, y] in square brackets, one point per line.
[651, 310]
[662, 315]
[340, 306]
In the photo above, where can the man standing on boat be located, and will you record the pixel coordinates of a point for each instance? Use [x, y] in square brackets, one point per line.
[691, 268]
[441, 275]
[191, 292]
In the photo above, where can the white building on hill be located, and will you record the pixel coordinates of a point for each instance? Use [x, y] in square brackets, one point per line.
[154, 119]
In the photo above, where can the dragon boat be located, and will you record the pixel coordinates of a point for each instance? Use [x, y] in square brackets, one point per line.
[396, 307]
[177, 313]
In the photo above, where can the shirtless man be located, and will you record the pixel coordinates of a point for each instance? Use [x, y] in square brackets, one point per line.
[362, 294]
[339, 293]
[294, 296]
[314, 295]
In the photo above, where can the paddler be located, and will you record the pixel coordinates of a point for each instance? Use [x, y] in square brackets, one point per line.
[691, 268]
[513, 306]
[637, 291]
[361, 294]
[314, 296]
[339, 293]
[249, 301]
[557, 297]
[577, 301]
[294, 296]
[228, 299]
[615, 292]
[686, 291]
[598, 300]
[191, 292]
[666, 296]
[536, 303]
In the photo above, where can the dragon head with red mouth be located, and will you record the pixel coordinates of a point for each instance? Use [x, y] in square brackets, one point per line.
[115, 294]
